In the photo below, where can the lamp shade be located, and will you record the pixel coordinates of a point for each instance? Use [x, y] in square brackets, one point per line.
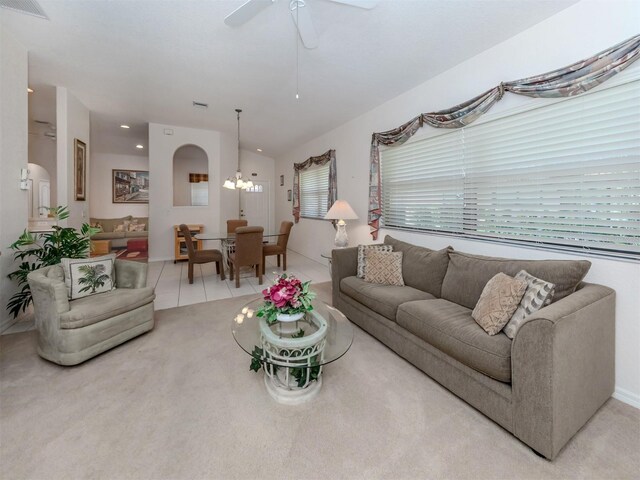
[340, 210]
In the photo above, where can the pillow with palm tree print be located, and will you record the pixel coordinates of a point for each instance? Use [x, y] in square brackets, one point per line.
[88, 276]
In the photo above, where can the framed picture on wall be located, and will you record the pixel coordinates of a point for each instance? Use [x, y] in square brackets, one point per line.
[282, 180]
[130, 186]
[80, 168]
[288, 195]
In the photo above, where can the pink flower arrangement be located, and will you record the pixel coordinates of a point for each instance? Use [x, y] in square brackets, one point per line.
[287, 295]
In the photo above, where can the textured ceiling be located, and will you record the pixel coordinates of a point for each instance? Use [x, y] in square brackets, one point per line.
[138, 61]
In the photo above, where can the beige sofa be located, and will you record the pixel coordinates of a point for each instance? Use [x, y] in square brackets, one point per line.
[119, 239]
[542, 386]
[70, 332]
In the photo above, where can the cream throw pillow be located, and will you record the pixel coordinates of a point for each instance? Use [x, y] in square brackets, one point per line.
[384, 268]
[362, 256]
[499, 300]
[538, 294]
[88, 276]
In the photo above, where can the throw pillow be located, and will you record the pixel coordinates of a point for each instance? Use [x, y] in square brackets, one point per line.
[500, 298]
[88, 276]
[119, 228]
[384, 268]
[98, 225]
[137, 227]
[538, 294]
[362, 256]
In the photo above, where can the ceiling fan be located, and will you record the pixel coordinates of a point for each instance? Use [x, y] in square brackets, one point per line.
[299, 13]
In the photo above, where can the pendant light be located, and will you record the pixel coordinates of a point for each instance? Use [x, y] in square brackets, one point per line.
[238, 183]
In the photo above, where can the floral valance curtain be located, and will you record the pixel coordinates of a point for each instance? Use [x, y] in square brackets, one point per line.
[564, 82]
[320, 160]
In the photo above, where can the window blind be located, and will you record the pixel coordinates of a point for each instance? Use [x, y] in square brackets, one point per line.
[565, 174]
[314, 191]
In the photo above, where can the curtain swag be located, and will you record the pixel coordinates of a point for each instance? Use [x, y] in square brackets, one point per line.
[320, 160]
[572, 80]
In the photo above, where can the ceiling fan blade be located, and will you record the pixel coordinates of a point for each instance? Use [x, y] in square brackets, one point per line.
[246, 12]
[302, 19]
[366, 4]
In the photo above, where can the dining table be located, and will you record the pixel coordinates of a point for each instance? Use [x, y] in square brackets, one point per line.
[227, 241]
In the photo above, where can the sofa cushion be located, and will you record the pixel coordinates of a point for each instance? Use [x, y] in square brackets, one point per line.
[422, 268]
[88, 276]
[499, 300]
[538, 294]
[382, 299]
[468, 274]
[110, 224]
[108, 235]
[143, 234]
[384, 268]
[362, 256]
[89, 310]
[450, 328]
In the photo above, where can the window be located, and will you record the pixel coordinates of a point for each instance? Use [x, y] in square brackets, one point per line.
[565, 174]
[200, 194]
[314, 191]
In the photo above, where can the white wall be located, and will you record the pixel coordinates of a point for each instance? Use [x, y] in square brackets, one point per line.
[101, 184]
[72, 121]
[263, 167]
[42, 151]
[162, 214]
[560, 40]
[13, 157]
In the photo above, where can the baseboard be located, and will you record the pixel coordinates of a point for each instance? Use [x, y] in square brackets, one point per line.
[627, 397]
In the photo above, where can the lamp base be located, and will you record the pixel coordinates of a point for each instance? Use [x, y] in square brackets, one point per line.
[341, 240]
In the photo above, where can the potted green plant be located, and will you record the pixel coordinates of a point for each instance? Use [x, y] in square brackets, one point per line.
[35, 251]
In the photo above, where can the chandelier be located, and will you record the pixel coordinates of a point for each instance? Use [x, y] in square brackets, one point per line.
[237, 182]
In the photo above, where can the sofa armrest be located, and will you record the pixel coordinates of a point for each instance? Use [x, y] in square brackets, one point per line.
[563, 367]
[49, 299]
[131, 274]
[344, 263]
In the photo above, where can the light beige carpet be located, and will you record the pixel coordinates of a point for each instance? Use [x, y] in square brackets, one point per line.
[181, 403]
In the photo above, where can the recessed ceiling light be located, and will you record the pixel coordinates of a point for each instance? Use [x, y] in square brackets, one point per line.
[29, 90]
[258, 149]
[124, 126]
[139, 146]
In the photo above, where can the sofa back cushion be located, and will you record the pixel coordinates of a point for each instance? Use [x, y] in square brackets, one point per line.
[468, 274]
[422, 268]
[110, 224]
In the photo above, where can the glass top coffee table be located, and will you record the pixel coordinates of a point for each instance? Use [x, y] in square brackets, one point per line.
[293, 354]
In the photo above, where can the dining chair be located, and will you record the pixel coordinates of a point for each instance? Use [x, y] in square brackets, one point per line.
[279, 248]
[248, 252]
[201, 256]
[233, 224]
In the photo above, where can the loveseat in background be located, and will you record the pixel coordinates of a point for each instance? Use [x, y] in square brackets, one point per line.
[542, 386]
[119, 239]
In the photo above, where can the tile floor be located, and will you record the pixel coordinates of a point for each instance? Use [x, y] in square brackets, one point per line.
[173, 289]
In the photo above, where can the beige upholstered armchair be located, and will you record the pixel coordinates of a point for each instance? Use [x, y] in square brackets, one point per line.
[72, 331]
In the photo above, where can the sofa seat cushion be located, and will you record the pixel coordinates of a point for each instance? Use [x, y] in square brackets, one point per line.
[450, 328]
[95, 308]
[107, 235]
[143, 234]
[382, 299]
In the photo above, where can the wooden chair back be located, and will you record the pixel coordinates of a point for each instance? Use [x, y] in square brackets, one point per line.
[248, 246]
[233, 224]
[186, 233]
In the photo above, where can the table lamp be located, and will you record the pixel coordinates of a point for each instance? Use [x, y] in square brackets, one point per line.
[341, 211]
